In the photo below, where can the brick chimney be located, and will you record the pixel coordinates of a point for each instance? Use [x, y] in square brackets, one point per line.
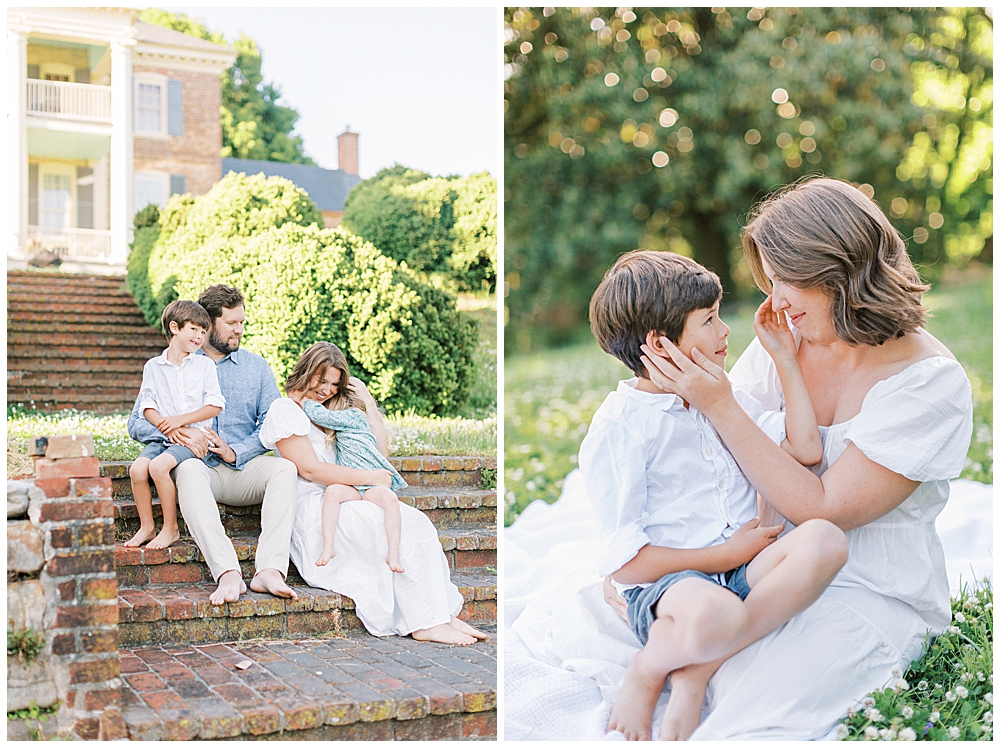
[347, 151]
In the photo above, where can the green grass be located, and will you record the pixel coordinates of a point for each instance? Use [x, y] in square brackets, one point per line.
[550, 397]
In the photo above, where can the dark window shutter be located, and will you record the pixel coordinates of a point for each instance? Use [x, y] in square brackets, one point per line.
[82, 75]
[84, 197]
[33, 194]
[177, 184]
[34, 72]
[175, 107]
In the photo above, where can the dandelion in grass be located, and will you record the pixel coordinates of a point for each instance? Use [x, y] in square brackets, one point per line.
[907, 712]
[961, 691]
[988, 698]
[950, 697]
[842, 732]
[851, 712]
[887, 733]
[922, 685]
[954, 630]
[934, 717]
[960, 618]
[907, 733]
[980, 677]
[873, 714]
[871, 733]
[954, 733]
[988, 718]
[900, 685]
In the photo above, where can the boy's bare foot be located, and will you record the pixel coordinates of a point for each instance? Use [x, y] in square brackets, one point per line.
[231, 586]
[683, 714]
[271, 581]
[139, 538]
[465, 628]
[444, 633]
[324, 557]
[165, 538]
[632, 714]
[393, 560]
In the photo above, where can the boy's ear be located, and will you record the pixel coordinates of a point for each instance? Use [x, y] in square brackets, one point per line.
[174, 327]
[653, 341]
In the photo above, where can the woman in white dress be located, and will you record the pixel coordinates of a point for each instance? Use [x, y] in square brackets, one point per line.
[895, 411]
[422, 601]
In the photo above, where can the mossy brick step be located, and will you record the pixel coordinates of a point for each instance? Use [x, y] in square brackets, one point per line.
[358, 687]
[79, 327]
[79, 366]
[83, 381]
[183, 613]
[116, 309]
[84, 340]
[44, 278]
[52, 298]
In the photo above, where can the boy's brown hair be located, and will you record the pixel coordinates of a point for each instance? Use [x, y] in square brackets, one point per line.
[182, 312]
[644, 291]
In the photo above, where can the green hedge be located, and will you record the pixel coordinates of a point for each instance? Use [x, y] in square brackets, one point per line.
[303, 284]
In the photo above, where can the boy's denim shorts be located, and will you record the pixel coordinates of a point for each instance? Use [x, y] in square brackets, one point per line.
[177, 451]
[642, 600]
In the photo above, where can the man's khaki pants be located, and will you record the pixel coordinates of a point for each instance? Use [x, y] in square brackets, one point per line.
[269, 481]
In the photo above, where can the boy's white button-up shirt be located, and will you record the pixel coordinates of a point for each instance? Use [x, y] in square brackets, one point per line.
[657, 473]
[174, 390]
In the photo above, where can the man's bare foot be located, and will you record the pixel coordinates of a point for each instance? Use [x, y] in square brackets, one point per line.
[140, 537]
[393, 560]
[465, 628]
[165, 538]
[271, 581]
[444, 633]
[687, 694]
[632, 714]
[325, 556]
[231, 586]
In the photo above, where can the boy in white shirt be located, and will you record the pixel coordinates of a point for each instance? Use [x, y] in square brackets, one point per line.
[179, 388]
[679, 535]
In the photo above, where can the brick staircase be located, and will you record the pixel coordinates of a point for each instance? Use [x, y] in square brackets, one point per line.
[75, 341]
[314, 672]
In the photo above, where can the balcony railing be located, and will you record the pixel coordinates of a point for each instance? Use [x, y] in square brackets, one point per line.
[86, 245]
[80, 101]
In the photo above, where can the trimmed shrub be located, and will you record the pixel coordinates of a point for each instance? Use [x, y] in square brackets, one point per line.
[474, 249]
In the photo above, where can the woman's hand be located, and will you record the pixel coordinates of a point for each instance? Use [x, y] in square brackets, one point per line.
[381, 478]
[751, 539]
[616, 601]
[698, 380]
[774, 333]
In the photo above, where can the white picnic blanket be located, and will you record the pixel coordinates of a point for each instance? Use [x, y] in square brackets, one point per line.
[549, 556]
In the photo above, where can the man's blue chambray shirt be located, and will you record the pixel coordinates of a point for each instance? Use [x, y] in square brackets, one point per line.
[248, 385]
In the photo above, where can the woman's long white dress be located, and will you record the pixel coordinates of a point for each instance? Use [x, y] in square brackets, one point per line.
[386, 602]
[798, 681]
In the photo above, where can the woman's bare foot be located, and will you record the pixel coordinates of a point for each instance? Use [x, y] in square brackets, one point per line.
[465, 628]
[325, 556]
[444, 633]
[165, 538]
[393, 560]
[140, 537]
[632, 714]
[231, 586]
[271, 581]
[687, 694]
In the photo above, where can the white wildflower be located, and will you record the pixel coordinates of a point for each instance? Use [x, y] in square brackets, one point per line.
[907, 711]
[897, 673]
[868, 701]
[922, 685]
[841, 732]
[954, 732]
[988, 718]
[971, 602]
[960, 618]
[988, 606]
[954, 630]
[887, 733]
[851, 712]
[934, 717]
[961, 691]
[900, 685]
[989, 697]
[949, 696]
[907, 733]
[873, 714]
[980, 677]
[870, 733]
[967, 677]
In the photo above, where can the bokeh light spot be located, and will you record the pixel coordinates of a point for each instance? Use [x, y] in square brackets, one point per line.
[878, 64]
[596, 24]
[777, 62]
[752, 137]
[807, 128]
[833, 37]
[779, 96]
[658, 74]
[640, 95]
[899, 206]
[761, 161]
[867, 190]
[920, 235]
[660, 159]
[784, 140]
[668, 117]
[935, 220]
[787, 110]
[610, 80]
[808, 145]
[555, 138]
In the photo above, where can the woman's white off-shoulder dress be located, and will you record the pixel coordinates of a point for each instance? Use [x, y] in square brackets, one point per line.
[386, 602]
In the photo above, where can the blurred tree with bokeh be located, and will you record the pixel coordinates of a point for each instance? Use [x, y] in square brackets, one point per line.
[660, 128]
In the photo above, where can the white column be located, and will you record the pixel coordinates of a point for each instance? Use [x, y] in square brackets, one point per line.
[122, 173]
[101, 185]
[17, 141]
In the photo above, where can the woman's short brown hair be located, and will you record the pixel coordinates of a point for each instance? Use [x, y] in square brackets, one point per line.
[824, 233]
[644, 291]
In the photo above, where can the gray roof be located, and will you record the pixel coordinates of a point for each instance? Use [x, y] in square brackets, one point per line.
[150, 32]
[327, 188]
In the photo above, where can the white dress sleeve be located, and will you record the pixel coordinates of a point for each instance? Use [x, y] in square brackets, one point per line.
[917, 423]
[755, 373]
[284, 418]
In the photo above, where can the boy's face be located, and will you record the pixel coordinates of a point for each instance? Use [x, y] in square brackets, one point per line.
[706, 332]
[188, 338]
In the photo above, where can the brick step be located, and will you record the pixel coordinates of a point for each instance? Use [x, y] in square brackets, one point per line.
[26, 320]
[95, 341]
[88, 357]
[34, 278]
[27, 392]
[59, 294]
[98, 404]
[354, 688]
[47, 379]
[76, 366]
[77, 305]
[156, 615]
[149, 335]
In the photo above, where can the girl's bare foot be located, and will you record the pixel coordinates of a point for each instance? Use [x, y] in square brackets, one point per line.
[444, 633]
[632, 714]
[687, 694]
[165, 538]
[465, 628]
[139, 538]
[325, 556]
[393, 560]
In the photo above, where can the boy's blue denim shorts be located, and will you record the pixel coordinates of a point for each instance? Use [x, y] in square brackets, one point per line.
[178, 451]
[642, 600]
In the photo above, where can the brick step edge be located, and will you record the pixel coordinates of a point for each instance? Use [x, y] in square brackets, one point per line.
[430, 463]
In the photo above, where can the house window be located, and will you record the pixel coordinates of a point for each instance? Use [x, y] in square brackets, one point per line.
[56, 198]
[151, 104]
[151, 187]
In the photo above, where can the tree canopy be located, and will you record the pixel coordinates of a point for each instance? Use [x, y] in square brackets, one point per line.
[661, 128]
[254, 124]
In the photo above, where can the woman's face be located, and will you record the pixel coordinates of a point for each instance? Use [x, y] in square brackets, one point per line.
[808, 309]
[323, 387]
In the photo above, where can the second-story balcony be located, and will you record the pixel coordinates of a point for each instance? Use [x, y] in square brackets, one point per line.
[71, 101]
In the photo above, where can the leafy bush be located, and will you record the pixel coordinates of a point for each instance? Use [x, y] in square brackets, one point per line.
[303, 284]
[474, 251]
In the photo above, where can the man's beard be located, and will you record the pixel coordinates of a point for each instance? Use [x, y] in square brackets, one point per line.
[222, 346]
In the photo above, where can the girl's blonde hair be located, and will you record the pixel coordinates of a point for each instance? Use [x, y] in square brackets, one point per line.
[314, 364]
[825, 233]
